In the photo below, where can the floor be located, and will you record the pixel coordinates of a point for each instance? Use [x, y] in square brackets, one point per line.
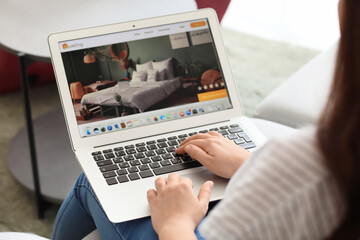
[307, 23]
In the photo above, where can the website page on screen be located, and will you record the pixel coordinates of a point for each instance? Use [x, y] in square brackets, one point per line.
[145, 76]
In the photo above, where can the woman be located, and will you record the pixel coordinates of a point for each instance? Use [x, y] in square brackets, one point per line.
[304, 187]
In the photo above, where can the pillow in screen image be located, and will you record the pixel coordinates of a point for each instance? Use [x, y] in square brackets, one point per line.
[144, 67]
[152, 75]
[162, 75]
[167, 65]
[139, 76]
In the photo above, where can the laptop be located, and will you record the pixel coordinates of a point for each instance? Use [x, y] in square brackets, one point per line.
[131, 92]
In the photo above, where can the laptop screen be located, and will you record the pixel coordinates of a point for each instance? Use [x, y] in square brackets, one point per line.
[145, 76]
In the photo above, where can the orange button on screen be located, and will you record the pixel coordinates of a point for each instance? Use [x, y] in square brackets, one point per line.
[198, 24]
[212, 95]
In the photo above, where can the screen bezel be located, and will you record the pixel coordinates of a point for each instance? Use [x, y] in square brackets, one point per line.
[143, 131]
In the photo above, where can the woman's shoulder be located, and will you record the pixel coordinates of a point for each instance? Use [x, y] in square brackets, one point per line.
[303, 139]
[298, 151]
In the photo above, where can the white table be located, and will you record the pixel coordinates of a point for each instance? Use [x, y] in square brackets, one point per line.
[24, 27]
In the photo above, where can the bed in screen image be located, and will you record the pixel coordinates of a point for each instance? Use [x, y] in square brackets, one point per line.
[142, 75]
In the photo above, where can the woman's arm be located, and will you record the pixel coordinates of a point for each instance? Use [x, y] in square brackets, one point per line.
[175, 209]
[218, 154]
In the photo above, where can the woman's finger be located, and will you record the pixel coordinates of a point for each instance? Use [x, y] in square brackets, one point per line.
[173, 178]
[188, 182]
[160, 183]
[196, 136]
[201, 143]
[205, 192]
[197, 153]
[151, 196]
[213, 133]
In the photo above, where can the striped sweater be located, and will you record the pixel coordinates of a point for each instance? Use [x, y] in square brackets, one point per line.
[284, 191]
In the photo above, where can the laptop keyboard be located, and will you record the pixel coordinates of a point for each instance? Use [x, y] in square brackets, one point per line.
[146, 159]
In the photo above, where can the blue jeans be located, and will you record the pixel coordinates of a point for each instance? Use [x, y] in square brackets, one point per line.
[81, 213]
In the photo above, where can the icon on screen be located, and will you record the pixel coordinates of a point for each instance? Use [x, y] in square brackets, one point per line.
[109, 127]
[103, 129]
[182, 113]
[88, 132]
[122, 125]
[156, 119]
[116, 126]
[162, 117]
[201, 110]
[136, 122]
[195, 111]
[168, 116]
[188, 112]
[96, 130]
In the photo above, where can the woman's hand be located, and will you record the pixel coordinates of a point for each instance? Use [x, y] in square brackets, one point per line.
[175, 209]
[218, 154]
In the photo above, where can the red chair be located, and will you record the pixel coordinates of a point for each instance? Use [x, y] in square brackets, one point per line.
[76, 91]
[39, 73]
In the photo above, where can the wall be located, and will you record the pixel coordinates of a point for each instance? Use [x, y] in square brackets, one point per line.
[159, 49]
[85, 73]
[200, 57]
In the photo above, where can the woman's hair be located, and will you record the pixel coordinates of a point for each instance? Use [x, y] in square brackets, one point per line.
[339, 125]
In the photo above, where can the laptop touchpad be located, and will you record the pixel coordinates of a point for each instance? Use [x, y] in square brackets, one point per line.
[199, 178]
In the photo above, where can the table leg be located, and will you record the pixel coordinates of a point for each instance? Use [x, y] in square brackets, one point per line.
[42, 204]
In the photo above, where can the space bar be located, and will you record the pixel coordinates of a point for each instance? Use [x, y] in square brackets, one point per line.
[176, 167]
